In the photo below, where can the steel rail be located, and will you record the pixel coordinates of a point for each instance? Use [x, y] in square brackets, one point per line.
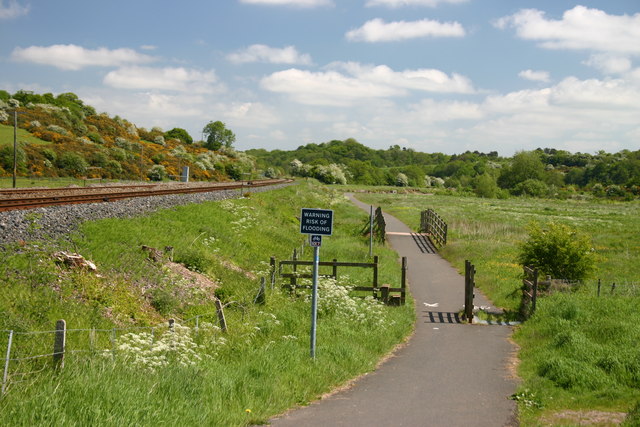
[36, 202]
[12, 191]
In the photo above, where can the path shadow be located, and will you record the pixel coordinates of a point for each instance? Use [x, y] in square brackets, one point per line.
[441, 317]
[424, 243]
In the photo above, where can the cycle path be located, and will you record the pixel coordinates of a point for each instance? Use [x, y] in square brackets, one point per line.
[448, 374]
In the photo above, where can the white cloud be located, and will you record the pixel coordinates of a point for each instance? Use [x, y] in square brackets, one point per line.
[536, 76]
[325, 88]
[345, 84]
[296, 3]
[579, 28]
[174, 79]
[272, 55]
[72, 57]
[609, 64]
[377, 30]
[148, 47]
[12, 10]
[399, 3]
[428, 80]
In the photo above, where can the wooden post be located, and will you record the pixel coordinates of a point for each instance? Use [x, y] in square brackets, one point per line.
[375, 272]
[613, 287]
[59, 344]
[534, 292]
[6, 362]
[171, 323]
[468, 290]
[221, 320]
[599, 283]
[384, 291]
[261, 297]
[294, 279]
[334, 269]
[403, 283]
[272, 263]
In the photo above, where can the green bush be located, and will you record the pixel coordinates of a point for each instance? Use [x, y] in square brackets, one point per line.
[531, 187]
[559, 251]
[72, 163]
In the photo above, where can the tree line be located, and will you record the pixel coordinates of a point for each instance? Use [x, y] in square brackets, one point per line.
[542, 172]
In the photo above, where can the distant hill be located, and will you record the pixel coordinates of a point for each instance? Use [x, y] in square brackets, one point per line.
[542, 172]
[62, 136]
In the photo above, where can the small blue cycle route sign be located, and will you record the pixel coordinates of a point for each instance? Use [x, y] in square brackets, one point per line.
[315, 240]
[316, 221]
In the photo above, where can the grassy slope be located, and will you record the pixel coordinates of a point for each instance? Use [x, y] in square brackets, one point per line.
[6, 136]
[258, 369]
[578, 351]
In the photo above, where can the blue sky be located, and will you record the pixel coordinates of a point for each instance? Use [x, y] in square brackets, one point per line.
[432, 75]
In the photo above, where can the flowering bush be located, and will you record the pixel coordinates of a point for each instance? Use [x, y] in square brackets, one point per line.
[335, 299]
[174, 346]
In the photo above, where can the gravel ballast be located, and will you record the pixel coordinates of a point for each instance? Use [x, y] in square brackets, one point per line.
[57, 221]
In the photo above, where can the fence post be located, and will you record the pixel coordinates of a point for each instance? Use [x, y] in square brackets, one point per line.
[613, 287]
[59, 344]
[534, 291]
[375, 272]
[384, 293]
[370, 231]
[6, 363]
[469, 274]
[272, 263]
[403, 283]
[113, 341]
[599, 283]
[221, 319]
[261, 298]
[294, 279]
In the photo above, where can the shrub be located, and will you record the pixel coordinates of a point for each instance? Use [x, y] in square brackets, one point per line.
[402, 180]
[531, 187]
[157, 173]
[95, 137]
[559, 251]
[6, 158]
[72, 163]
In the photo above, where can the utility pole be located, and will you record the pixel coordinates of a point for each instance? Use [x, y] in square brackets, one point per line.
[15, 146]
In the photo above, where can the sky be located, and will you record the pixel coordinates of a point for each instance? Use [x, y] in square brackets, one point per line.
[431, 75]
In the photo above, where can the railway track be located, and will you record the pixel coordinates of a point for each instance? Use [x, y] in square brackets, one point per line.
[33, 198]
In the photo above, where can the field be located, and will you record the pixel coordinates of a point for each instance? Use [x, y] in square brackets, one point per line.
[579, 351]
[259, 368]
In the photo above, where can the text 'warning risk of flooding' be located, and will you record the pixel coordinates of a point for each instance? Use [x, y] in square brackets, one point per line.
[316, 221]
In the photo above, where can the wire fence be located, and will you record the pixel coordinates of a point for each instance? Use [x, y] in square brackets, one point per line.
[29, 353]
[600, 288]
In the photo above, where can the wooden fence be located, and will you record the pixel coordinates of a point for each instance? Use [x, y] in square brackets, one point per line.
[389, 295]
[376, 226]
[432, 224]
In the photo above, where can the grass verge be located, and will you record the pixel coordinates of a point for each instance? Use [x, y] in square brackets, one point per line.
[260, 368]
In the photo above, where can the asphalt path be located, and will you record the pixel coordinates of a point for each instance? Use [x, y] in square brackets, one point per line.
[450, 373]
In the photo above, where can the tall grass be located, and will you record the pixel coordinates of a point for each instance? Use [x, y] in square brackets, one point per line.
[578, 351]
[261, 368]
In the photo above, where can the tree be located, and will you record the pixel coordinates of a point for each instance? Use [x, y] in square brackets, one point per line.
[179, 133]
[526, 165]
[217, 135]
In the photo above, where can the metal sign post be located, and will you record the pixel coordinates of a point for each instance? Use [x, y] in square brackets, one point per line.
[316, 223]
[314, 300]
